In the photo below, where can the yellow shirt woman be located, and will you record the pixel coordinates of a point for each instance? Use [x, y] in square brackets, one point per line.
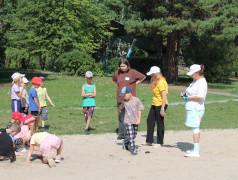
[161, 86]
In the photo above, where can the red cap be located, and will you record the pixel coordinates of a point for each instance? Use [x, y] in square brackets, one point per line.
[29, 118]
[17, 115]
[36, 80]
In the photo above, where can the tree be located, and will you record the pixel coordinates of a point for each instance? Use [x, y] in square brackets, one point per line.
[49, 28]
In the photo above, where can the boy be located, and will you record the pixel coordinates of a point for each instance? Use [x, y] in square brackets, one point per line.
[24, 98]
[16, 118]
[34, 105]
[88, 94]
[42, 95]
[46, 143]
[7, 145]
[133, 108]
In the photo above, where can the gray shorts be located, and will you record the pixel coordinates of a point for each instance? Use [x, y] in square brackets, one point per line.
[43, 113]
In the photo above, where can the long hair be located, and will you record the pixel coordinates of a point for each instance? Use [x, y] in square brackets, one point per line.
[201, 72]
[154, 79]
[17, 81]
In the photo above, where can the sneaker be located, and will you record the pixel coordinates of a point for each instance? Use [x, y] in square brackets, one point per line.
[2, 158]
[120, 138]
[86, 131]
[51, 161]
[134, 152]
[58, 159]
[149, 144]
[43, 129]
[91, 128]
[21, 149]
[125, 146]
[192, 154]
[157, 145]
[188, 151]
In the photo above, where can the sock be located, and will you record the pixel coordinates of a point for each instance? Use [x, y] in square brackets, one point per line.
[196, 148]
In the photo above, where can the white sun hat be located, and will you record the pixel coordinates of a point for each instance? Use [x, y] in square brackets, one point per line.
[24, 80]
[16, 75]
[194, 68]
[153, 70]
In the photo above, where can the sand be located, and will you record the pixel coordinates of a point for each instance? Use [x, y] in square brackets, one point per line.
[102, 157]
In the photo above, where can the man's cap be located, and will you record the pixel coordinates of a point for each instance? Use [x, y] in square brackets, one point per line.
[17, 116]
[125, 90]
[36, 80]
[16, 75]
[194, 68]
[24, 80]
[89, 74]
[153, 70]
[28, 118]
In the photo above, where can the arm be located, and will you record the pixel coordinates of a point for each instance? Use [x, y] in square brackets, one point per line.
[120, 108]
[139, 118]
[24, 102]
[139, 81]
[193, 98]
[19, 94]
[30, 153]
[37, 104]
[84, 94]
[94, 93]
[48, 97]
[162, 113]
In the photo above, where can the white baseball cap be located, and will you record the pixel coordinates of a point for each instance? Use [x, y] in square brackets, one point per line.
[16, 75]
[194, 68]
[89, 74]
[153, 70]
[24, 80]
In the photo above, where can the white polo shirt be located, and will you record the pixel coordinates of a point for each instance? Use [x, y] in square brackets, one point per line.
[196, 88]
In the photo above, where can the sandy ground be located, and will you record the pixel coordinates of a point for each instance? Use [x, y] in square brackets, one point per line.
[101, 157]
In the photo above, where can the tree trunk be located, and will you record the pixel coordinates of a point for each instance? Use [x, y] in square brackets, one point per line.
[159, 48]
[42, 62]
[170, 69]
[178, 48]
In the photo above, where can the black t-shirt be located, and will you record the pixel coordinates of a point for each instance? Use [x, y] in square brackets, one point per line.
[6, 144]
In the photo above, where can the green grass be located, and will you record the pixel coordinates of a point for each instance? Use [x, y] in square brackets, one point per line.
[67, 116]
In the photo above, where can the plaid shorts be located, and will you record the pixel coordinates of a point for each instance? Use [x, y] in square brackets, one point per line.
[88, 111]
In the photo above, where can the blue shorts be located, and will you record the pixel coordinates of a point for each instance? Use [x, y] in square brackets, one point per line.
[193, 117]
[16, 105]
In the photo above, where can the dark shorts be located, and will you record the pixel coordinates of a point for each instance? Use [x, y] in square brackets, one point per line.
[35, 113]
[22, 111]
[88, 111]
[43, 113]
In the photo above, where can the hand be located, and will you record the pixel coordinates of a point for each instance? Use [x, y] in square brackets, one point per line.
[39, 110]
[138, 122]
[182, 94]
[162, 114]
[25, 109]
[185, 98]
[53, 105]
[118, 111]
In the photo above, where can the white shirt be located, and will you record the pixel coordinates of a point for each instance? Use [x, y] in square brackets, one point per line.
[196, 88]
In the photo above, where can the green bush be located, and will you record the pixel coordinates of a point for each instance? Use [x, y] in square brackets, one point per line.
[77, 63]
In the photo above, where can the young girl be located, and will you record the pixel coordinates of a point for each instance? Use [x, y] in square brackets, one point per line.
[43, 95]
[46, 143]
[16, 93]
[88, 94]
[159, 105]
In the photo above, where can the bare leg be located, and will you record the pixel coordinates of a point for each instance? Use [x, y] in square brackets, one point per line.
[36, 123]
[59, 151]
[196, 137]
[88, 122]
[42, 123]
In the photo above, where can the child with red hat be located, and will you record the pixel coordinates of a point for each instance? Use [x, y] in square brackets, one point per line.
[34, 105]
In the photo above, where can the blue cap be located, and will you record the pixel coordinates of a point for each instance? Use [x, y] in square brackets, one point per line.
[125, 90]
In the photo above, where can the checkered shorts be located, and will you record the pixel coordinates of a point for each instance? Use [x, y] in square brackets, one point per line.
[88, 111]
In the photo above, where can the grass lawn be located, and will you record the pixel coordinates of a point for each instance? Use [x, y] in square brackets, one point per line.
[67, 116]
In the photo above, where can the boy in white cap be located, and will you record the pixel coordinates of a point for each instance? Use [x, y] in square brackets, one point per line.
[88, 94]
[24, 98]
[133, 108]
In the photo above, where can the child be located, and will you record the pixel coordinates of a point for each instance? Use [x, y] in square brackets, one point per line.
[34, 105]
[42, 95]
[88, 94]
[7, 144]
[16, 93]
[24, 98]
[16, 118]
[46, 142]
[25, 133]
[133, 108]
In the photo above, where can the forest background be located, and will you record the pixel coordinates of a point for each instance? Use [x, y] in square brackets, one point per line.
[73, 36]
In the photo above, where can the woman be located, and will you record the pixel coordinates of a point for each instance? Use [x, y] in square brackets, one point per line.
[125, 76]
[158, 107]
[194, 97]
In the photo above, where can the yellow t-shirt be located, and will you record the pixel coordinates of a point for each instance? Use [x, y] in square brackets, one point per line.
[37, 138]
[41, 92]
[161, 86]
